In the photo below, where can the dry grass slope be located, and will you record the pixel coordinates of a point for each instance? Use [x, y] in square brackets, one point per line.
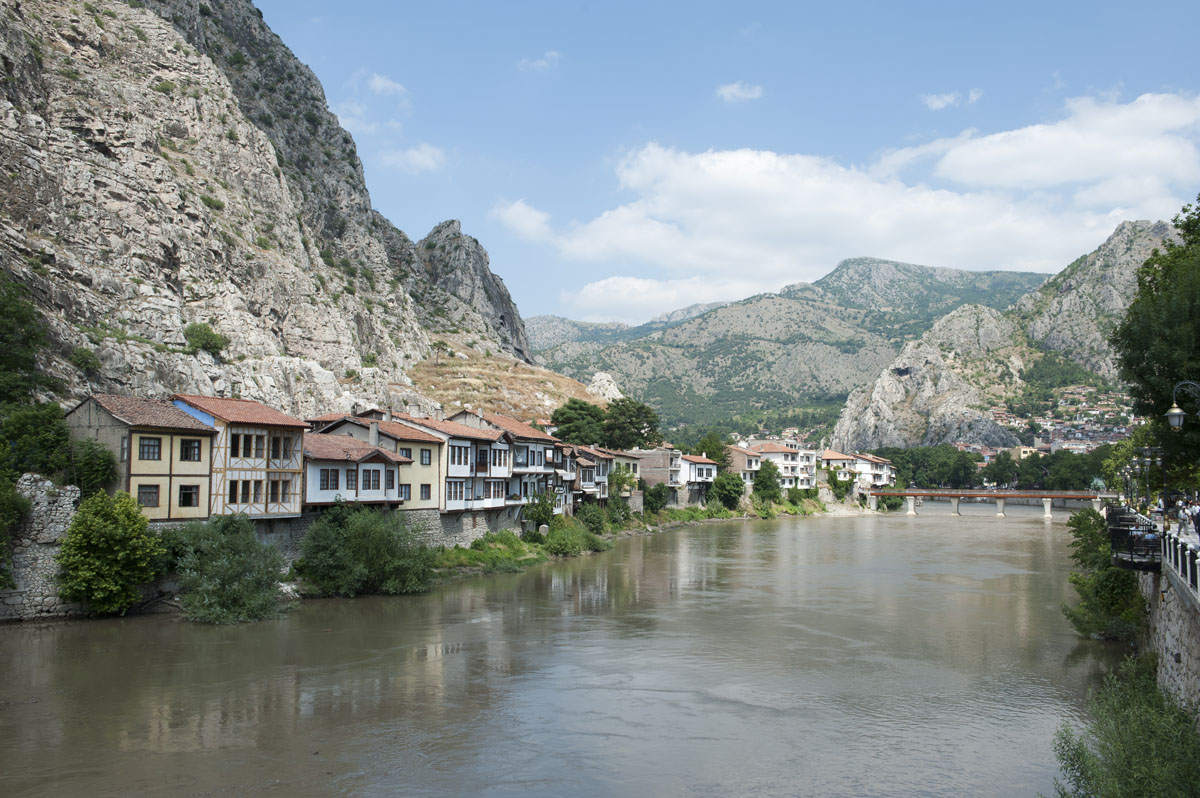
[494, 383]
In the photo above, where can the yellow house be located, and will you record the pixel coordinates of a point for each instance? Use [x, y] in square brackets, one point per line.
[163, 455]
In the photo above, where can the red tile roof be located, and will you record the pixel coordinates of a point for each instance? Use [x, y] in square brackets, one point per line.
[695, 458]
[343, 447]
[452, 428]
[518, 429]
[403, 432]
[830, 454]
[774, 448]
[743, 451]
[157, 413]
[240, 411]
[597, 452]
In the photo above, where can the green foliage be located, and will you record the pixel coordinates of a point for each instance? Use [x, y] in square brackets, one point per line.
[579, 422]
[212, 202]
[91, 466]
[165, 86]
[354, 550]
[933, 466]
[629, 423]
[12, 506]
[1110, 604]
[1138, 741]
[654, 498]
[763, 508]
[617, 511]
[1158, 341]
[1001, 470]
[766, 482]
[225, 574]
[22, 341]
[620, 479]
[592, 516]
[568, 538]
[500, 552]
[541, 510]
[840, 487]
[85, 359]
[728, 489]
[202, 337]
[712, 446]
[107, 552]
[36, 438]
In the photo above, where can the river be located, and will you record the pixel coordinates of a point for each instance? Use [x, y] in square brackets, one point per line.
[830, 656]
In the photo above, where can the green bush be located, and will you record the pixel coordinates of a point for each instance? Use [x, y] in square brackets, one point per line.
[728, 489]
[108, 551]
[202, 337]
[1110, 604]
[763, 508]
[617, 511]
[91, 466]
[501, 552]
[563, 542]
[840, 487]
[592, 517]
[225, 574]
[212, 202]
[85, 359]
[655, 498]
[541, 510]
[1138, 741]
[350, 551]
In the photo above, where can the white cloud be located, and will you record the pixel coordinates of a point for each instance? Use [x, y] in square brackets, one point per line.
[524, 220]
[974, 96]
[739, 92]
[382, 84]
[725, 224]
[936, 102]
[421, 157]
[353, 115]
[549, 60]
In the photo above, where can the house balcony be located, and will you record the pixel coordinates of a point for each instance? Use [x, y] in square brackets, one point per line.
[1135, 542]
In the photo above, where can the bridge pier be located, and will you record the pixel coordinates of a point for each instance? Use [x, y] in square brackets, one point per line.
[912, 505]
[1096, 505]
[999, 508]
[954, 505]
[1046, 508]
[872, 502]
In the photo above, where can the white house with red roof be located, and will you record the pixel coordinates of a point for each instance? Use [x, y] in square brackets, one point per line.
[257, 456]
[339, 468]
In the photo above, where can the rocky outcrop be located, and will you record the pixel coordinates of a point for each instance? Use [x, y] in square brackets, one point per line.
[604, 387]
[921, 398]
[1077, 309]
[152, 182]
[471, 297]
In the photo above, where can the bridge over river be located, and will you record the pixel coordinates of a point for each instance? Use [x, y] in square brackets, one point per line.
[999, 496]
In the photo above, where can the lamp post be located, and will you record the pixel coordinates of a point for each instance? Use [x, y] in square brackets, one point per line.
[1175, 416]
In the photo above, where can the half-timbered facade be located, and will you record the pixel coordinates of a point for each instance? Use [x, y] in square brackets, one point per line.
[163, 454]
[258, 456]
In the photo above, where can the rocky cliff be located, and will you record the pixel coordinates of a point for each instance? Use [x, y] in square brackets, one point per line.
[939, 388]
[922, 398]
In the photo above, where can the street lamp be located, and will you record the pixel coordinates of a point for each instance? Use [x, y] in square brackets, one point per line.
[1175, 415]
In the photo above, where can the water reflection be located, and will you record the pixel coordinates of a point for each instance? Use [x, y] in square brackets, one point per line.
[882, 655]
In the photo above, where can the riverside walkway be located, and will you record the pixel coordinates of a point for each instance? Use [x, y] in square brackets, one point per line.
[955, 495]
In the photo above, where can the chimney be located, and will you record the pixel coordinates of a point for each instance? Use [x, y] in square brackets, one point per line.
[373, 435]
[387, 413]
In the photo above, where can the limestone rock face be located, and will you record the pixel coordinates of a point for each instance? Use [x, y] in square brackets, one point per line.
[1077, 309]
[470, 295]
[604, 387]
[158, 174]
[920, 399]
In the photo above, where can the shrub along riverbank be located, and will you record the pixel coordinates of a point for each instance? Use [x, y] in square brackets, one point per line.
[1138, 740]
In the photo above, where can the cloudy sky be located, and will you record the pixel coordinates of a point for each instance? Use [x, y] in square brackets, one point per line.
[619, 160]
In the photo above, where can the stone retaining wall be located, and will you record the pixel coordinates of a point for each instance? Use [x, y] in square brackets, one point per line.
[1174, 634]
[37, 539]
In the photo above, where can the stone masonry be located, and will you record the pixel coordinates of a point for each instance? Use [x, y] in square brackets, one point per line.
[1174, 634]
[36, 541]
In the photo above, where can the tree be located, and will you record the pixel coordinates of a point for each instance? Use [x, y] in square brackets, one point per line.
[712, 446]
[1002, 470]
[629, 423]
[36, 440]
[766, 482]
[225, 574]
[1110, 604]
[200, 336]
[541, 510]
[91, 466]
[654, 498]
[22, 339]
[728, 489]
[1158, 341]
[108, 551]
[579, 422]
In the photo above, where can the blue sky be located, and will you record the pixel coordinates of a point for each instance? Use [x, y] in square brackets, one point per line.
[619, 160]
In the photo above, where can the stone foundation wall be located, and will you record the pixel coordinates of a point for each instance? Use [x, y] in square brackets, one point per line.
[459, 529]
[37, 539]
[1174, 634]
[636, 501]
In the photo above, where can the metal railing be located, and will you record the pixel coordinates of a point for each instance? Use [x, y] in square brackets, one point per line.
[1182, 557]
[1133, 539]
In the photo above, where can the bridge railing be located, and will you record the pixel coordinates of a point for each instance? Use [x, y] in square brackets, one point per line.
[1181, 558]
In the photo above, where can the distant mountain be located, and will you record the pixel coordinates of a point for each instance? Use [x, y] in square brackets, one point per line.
[544, 332]
[809, 344]
[939, 388]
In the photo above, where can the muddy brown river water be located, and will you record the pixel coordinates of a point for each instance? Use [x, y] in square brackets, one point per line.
[874, 655]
